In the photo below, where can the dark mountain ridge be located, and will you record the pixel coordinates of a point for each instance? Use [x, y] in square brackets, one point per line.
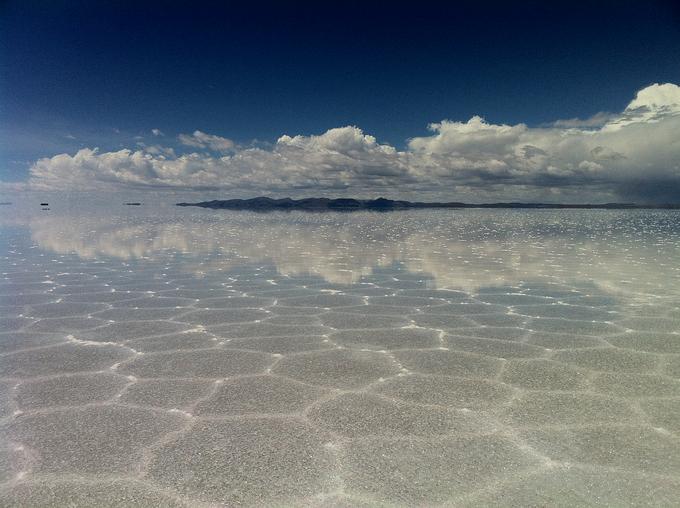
[382, 204]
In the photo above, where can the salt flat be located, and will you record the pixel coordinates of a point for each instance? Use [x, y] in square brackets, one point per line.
[183, 357]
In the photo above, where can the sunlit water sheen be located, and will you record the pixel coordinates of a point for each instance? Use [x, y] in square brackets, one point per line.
[475, 357]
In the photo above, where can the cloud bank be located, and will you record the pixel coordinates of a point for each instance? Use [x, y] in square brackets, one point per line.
[633, 155]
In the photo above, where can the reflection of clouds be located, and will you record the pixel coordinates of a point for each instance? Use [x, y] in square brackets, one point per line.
[627, 251]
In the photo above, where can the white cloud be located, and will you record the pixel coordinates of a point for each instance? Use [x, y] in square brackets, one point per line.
[595, 121]
[652, 104]
[632, 155]
[202, 140]
[157, 132]
[161, 151]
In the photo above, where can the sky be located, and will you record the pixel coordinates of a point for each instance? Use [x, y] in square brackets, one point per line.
[474, 101]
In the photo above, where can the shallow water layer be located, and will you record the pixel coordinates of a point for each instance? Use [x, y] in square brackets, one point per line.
[192, 357]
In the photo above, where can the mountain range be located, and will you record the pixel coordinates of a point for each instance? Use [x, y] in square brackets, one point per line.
[265, 204]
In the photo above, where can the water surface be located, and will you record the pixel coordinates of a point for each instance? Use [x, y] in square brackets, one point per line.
[167, 356]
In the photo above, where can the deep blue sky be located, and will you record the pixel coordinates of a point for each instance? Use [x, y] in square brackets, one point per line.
[104, 72]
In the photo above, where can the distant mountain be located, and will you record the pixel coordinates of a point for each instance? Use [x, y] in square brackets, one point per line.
[264, 204]
[318, 204]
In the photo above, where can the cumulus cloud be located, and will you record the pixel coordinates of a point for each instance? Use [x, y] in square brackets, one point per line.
[157, 132]
[595, 121]
[631, 155]
[202, 140]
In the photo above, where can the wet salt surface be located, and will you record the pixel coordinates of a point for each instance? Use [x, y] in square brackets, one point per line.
[196, 358]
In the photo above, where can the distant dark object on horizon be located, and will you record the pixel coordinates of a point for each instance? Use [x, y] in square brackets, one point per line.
[264, 204]
[133, 204]
[44, 204]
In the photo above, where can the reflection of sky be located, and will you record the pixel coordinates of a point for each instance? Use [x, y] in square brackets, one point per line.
[629, 251]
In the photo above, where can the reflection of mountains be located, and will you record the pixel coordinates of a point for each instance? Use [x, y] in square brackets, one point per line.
[472, 251]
